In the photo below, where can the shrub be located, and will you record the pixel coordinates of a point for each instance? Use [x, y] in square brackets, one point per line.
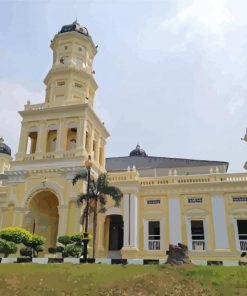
[7, 248]
[52, 250]
[64, 240]
[35, 242]
[59, 249]
[26, 252]
[15, 234]
[72, 250]
[77, 238]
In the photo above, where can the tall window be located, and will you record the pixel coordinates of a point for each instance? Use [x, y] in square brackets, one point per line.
[32, 142]
[51, 141]
[71, 138]
[197, 233]
[242, 234]
[154, 235]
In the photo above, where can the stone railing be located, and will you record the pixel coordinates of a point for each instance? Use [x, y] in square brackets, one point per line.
[44, 156]
[212, 178]
[43, 106]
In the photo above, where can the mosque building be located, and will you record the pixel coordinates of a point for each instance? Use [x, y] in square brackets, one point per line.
[166, 200]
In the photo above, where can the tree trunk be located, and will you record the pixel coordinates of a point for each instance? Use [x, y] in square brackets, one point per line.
[95, 212]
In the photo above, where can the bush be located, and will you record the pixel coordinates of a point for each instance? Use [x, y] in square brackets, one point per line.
[26, 252]
[7, 248]
[52, 250]
[72, 250]
[64, 240]
[59, 249]
[35, 242]
[15, 234]
[77, 238]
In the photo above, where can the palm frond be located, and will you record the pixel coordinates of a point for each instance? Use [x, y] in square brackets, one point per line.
[81, 198]
[80, 176]
[115, 193]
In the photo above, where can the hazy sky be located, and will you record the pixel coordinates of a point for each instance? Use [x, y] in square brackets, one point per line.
[172, 74]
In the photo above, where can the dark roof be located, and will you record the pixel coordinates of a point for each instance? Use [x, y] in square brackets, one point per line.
[76, 27]
[151, 162]
[4, 149]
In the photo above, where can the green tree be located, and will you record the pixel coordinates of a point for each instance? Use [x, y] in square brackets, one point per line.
[35, 242]
[15, 234]
[98, 191]
[64, 240]
[7, 247]
[26, 252]
[73, 250]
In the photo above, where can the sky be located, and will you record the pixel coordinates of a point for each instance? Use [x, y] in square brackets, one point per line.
[172, 74]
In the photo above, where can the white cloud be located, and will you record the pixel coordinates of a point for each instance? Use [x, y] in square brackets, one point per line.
[13, 97]
[210, 14]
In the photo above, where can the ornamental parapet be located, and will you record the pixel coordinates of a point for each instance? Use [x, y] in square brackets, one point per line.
[175, 180]
[202, 179]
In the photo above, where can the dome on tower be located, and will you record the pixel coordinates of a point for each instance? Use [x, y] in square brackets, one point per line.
[138, 151]
[75, 26]
[4, 149]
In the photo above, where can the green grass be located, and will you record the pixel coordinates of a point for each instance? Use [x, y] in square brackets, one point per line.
[100, 279]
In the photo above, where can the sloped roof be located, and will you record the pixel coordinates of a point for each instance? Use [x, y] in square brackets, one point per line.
[151, 162]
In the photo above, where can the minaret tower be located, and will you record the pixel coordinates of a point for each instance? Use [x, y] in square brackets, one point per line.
[57, 136]
[71, 78]
[65, 127]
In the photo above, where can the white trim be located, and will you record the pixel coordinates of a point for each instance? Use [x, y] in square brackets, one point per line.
[113, 211]
[134, 221]
[188, 228]
[126, 220]
[219, 218]
[40, 260]
[103, 260]
[71, 260]
[145, 234]
[174, 220]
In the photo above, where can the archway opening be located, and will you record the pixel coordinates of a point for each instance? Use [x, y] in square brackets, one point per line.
[115, 233]
[43, 217]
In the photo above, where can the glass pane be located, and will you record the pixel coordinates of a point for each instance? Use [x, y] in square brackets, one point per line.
[197, 227]
[154, 228]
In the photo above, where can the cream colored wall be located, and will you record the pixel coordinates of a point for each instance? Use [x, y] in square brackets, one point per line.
[227, 185]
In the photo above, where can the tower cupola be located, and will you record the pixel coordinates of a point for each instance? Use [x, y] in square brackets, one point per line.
[71, 77]
[4, 149]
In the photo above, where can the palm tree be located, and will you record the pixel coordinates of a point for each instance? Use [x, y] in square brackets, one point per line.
[98, 191]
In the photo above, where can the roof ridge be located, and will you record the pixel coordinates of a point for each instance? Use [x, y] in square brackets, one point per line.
[175, 158]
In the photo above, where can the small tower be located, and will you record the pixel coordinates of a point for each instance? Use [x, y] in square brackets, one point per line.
[5, 156]
[71, 79]
[65, 127]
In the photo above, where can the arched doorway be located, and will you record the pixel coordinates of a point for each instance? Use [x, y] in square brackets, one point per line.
[42, 218]
[115, 235]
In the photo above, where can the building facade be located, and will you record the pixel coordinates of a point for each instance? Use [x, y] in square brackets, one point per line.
[166, 200]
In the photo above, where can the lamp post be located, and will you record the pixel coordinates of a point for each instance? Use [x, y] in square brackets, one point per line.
[88, 165]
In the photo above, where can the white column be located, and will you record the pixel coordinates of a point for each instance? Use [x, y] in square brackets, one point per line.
[145, 234]
[61, 134]
[126, 221]
[80, 134]
[63, 217]
[206, 233]
[41, 137]
[219, 218]
[235, 226]
[133, 221]
[188, 228]
[174, 220]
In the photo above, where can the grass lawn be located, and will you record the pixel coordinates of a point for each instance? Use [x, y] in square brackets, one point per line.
[99, 279]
